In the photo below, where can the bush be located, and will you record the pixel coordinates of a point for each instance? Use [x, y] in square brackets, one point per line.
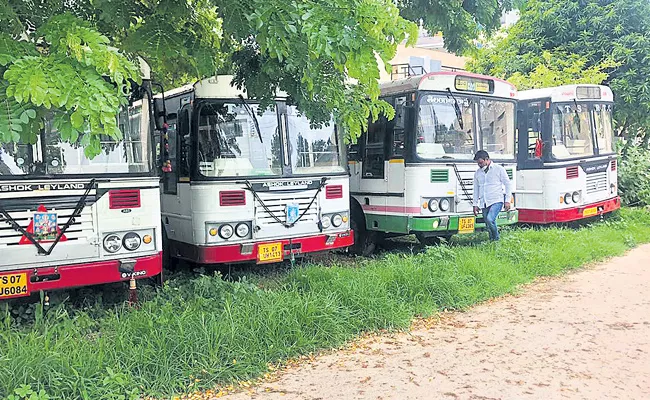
[634, 176]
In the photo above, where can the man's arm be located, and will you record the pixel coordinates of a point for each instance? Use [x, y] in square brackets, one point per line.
[476, 195]
[508, 186]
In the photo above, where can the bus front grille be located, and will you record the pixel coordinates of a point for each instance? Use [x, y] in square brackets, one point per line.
[275, 205]
[597, 182]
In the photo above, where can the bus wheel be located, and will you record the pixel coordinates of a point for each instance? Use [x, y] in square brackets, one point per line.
[364, 243]
[428, 240]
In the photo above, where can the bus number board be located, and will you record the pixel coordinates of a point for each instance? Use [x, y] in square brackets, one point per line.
[469, 84]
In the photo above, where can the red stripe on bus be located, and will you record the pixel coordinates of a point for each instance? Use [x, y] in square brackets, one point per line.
[88, 274]
[535, 216]
[232, 253]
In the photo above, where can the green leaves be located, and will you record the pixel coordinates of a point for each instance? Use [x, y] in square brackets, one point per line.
[588, 41]
[79, 80]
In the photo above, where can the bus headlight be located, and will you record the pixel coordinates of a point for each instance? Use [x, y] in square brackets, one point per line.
[575, 197]
[112, 243]
[337, 220]
[226, 231]
[242, 230]
[326, 222]
[567, 198]
[433, 205]
[445, 204]
[131, 241]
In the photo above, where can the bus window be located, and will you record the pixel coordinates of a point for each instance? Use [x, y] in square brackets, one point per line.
[497, 120]
[314, 150]
[571, 131]
[604, 133]
[534, 129]
[229, 144]
[439, 133]
[373, 160]
[184, 143]
[397, 148]
[170, 179]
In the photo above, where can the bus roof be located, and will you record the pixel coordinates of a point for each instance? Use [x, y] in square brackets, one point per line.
[457, 82]
[215, 87]
[582, 92]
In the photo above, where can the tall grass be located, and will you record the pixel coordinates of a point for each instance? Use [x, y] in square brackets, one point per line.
[199, 332]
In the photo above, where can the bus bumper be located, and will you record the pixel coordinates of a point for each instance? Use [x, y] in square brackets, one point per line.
[449, 224]
[532, 216]
[78, 275]
[247, 252]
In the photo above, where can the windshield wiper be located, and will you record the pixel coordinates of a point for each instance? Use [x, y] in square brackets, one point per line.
[252, 114]
[577, 115]
[459, 114]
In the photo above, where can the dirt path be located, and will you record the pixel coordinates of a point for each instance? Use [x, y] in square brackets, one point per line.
[582, 336]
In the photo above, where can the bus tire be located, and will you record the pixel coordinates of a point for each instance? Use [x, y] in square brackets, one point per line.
[428, 240]
[364, 243]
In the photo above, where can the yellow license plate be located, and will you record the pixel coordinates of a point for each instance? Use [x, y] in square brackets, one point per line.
[589, 212]
[12, 285]
[466, 225]
[270, 252]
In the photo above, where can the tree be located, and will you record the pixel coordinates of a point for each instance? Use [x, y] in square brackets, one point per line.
[460, 22]
[561, 69]
[77, 59]
[605, 39]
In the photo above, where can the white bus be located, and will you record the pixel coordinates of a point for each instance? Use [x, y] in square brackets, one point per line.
[241, 186]
[414, 174]
[566, 157]
[68, 221]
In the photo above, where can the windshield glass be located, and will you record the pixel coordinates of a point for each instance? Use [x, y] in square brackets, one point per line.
[313, 150]
[51, 156]
[571, 131]
[439, 133]
[497, 120]
[604, 131]
[230, 145]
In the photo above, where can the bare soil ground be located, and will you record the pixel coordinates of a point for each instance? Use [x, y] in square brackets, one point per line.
[585, 335]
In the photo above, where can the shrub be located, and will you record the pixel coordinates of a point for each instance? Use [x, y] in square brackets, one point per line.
[634, 176]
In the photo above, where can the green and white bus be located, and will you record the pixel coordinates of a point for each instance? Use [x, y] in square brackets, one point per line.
[414, 174]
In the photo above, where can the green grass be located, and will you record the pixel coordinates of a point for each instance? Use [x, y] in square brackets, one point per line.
[218, 331]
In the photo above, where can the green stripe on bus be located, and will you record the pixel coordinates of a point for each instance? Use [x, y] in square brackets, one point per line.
[409, 224]
[439, 175]
[509, 171]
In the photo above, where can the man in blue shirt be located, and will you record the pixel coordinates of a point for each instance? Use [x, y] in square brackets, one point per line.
[492, 191]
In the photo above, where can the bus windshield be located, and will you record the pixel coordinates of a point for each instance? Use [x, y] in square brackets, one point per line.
[571, 131]
[604, 131]
[230, 145]
[313, 150]
[497, 119]
[50, 156]
[439, 134]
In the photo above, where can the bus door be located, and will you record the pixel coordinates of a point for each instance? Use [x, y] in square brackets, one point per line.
[533, 146]
[373, 182]
[397, 138]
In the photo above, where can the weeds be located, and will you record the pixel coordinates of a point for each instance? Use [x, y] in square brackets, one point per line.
[200, 330]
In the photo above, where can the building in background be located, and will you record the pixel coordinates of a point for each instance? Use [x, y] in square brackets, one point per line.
[428, 55]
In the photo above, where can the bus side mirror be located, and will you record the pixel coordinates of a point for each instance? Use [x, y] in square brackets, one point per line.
[159, 113]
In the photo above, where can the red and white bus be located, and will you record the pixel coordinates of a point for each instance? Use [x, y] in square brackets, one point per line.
[244, 186]
[566, 166]
[68, 221]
